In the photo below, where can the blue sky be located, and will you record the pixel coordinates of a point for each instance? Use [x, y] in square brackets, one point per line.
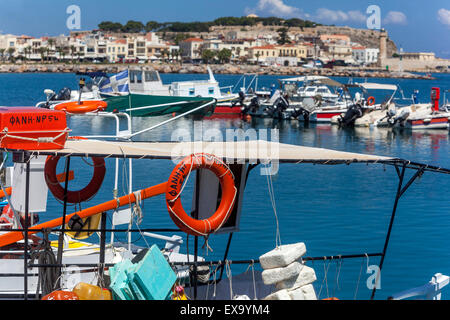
[415, 25]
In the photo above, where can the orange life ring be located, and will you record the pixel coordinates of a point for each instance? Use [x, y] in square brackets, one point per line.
[82, 195]
[174, 187]
[84, 106]
[371, 101]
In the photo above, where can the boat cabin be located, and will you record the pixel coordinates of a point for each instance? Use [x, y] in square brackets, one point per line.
[146, 81]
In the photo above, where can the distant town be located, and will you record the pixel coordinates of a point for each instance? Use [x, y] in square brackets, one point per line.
[262, 42]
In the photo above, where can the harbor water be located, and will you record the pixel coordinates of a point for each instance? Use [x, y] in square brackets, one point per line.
[335, 210]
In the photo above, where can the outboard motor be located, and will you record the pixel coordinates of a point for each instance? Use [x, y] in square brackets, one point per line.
[63, 94]
[276, 111]
[393, 117]
[353, 113]
[240, 100]
[300, 112]
[253, 107]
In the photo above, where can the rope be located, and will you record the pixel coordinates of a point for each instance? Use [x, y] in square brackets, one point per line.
[325, 280]
[137, 210]
[38, 140]
[206, 245]
[48, 277]
[338, 273]
[215, 281]
[252, 265]
[274, 207]
[359, 280]
[229, 275]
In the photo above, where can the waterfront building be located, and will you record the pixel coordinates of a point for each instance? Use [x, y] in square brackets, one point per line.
[191, 48]
[365, 56]
[116, 50]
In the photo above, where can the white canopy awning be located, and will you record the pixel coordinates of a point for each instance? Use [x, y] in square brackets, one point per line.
[377, 86]
[252, 151]
[319, 79]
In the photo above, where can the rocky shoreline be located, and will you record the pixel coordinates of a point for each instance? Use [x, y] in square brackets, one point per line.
[216, 68]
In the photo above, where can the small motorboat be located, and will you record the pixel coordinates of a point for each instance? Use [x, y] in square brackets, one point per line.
[433, 118]
[364, 104]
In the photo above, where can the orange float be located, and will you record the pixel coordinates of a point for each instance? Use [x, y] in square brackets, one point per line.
[29, 128]
[82, 107]
[85, 194]
[175, 185]
[61, 295]
[371, 101]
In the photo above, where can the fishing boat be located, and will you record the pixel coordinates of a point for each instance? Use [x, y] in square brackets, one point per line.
[128, 272]
[142, 92]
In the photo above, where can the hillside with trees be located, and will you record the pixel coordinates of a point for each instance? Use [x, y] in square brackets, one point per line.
[137, 26]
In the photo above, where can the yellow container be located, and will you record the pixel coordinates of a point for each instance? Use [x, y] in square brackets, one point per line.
[86, 291]
[178, 293]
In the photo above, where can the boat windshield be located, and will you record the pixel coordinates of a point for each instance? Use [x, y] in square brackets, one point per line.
[151, 76]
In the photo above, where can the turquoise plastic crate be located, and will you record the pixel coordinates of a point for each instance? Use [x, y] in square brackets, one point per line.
[153, 275]
[119, 285]
[150, 279]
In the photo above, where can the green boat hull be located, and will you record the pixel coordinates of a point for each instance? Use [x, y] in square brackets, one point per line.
[141, 105]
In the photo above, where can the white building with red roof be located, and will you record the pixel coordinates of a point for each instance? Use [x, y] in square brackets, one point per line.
[191, 48]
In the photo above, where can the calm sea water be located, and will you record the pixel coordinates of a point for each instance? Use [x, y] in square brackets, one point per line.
[333, 209]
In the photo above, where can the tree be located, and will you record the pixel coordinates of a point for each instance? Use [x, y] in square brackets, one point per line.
[257, 55]
[61, 53]
[152, 25]
[180, 37]
[10, 53]
[73, 49]
[165, 53]
[283, 36]
[2, 53]
[42, 51]
[110, 26]
[51, 43]
[176, 54]
[133, 27]
[26, 51]
[208, 55]
[224, 55]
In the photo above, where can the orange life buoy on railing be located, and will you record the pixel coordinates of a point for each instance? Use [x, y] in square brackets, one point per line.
[175, 186]
[74, 196]
[84, 106]
[371, 101]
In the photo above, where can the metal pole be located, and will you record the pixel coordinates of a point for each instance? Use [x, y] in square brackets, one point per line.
[25, 226]
[102, 245]
[197, 197]
[61, 235]
[391, 223]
